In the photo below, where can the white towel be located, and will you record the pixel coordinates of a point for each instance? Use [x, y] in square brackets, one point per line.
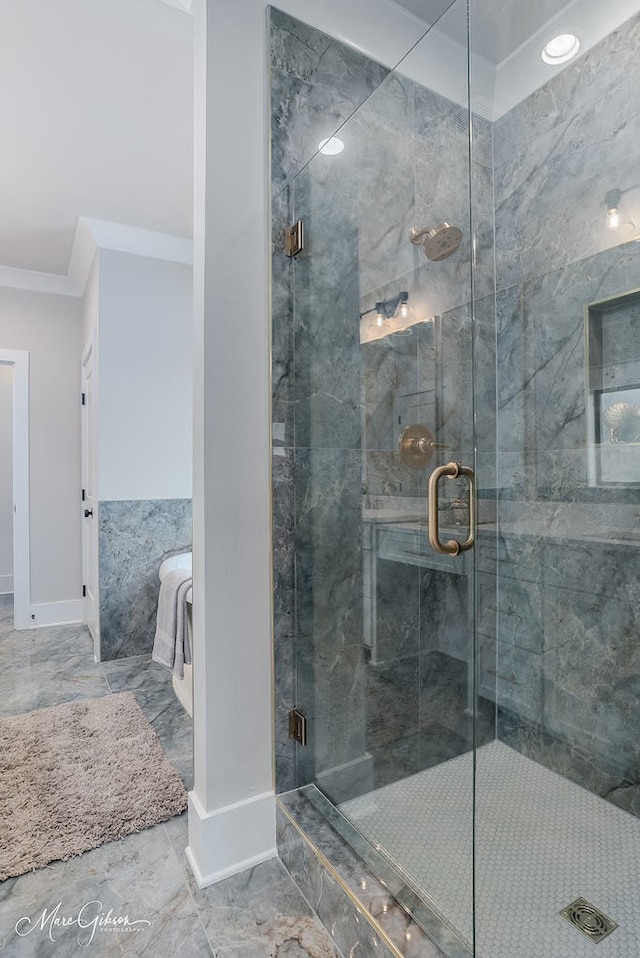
[171, 643]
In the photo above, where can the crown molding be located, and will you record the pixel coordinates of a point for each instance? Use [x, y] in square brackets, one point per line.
[184, 5]
[92, 235]
[13, 278]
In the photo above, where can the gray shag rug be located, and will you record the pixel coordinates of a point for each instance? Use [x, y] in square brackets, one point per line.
[77, 775]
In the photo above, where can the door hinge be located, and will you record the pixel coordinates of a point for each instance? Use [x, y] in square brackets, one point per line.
[294, 239]
[84, 399]
[84, 494]
[298, 726]
[84, 591]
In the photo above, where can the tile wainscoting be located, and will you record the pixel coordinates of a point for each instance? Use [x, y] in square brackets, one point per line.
[134, 538]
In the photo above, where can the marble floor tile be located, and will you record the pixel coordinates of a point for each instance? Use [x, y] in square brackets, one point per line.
[145, 876]
[177, 829]
[139, 877]
[26, 690]
[174, 728]
[258, 914]
[30, 642]
[151, 684]
[45, 645]
[48, 661]
[6, 613]
[139, 671]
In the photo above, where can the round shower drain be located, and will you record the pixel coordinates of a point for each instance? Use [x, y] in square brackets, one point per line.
[588, 919]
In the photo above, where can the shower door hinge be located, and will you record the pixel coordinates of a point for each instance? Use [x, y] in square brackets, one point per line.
[294, 239]
[298, 726]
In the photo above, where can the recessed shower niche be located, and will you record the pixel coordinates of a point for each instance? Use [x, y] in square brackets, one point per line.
[612, 342]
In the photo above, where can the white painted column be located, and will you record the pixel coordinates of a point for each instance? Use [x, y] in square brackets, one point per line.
[232, 806]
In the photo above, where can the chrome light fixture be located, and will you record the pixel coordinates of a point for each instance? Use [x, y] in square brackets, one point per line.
[616, 216]
[387, 317]
[385, 309]
[612, 202]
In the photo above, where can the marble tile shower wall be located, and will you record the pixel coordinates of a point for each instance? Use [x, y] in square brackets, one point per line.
[316, 84]
[134, 538]
[425, 375]
[568, 618]
[338, 406]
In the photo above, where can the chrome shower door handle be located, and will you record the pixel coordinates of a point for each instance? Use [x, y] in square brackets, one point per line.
[452, 471]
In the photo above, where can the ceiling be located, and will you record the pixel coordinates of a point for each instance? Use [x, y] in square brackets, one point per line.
[498, 27]
[97, 121]
[97, 112]
[507, 39]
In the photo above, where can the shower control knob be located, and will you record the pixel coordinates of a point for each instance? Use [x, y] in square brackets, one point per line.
[416, 446]
[87, 513]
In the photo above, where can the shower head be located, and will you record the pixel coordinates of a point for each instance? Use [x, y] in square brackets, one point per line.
[438, 243]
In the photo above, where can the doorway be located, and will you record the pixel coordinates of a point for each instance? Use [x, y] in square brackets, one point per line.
[18, 362]
[89, 500]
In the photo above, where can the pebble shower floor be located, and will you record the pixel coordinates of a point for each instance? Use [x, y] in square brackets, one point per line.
[542, 842]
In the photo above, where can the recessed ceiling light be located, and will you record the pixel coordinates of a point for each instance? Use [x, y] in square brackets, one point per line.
[561, 49]
[331, 146]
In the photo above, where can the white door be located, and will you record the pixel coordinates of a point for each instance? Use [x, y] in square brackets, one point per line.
[89, 502]
[20, 429]
[6, 479]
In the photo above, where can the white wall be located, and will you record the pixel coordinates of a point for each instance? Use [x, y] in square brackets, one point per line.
[49, 327]
[6, 480]
[145, 359]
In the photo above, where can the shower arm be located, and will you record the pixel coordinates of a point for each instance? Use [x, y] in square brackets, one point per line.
[416, 235]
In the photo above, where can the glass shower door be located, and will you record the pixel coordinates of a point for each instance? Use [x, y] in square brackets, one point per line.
[557, 829]
[474, 717]
[385, 362]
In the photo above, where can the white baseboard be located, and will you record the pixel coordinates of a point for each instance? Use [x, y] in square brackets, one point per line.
[230, 840]
[6, 584]
[56, 613]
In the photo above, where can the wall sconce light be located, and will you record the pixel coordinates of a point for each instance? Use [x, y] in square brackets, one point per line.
[616, 216]
[389, 316]
[387, 309]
